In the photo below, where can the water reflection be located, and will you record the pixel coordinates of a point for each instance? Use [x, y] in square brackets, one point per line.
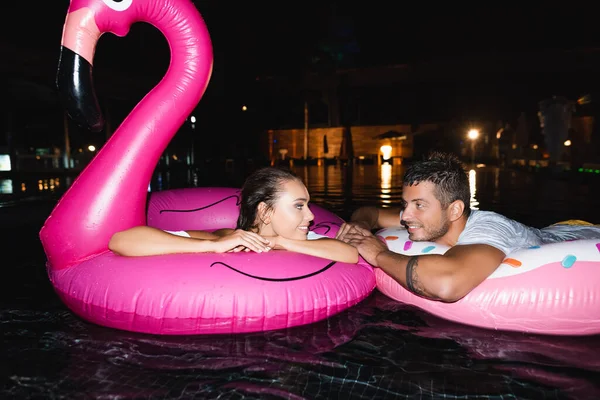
[32, 186]
[343, 188]
[533, 198]
[473, 188]
[6, 186]
[386, 183]
[48, 184]
[379, 348]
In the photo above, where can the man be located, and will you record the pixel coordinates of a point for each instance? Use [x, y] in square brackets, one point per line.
[435, 207]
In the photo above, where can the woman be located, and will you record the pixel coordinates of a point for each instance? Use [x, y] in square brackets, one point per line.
[274, 215]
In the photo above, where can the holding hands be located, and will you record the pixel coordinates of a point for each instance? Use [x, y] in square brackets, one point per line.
[349, 229]
[368, 245]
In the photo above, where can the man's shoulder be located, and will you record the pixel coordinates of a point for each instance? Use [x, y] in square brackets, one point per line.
[491, 229]
[481, 215]
[489, 221]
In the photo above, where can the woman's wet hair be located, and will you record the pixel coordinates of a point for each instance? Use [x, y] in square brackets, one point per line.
[448, 175]
[263, 185]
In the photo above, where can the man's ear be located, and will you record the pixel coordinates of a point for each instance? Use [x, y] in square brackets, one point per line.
[263, 213]
[457, 208]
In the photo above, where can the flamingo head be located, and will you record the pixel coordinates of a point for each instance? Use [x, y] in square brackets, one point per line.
[86, 21]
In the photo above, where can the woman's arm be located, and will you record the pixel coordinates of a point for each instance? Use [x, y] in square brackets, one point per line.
[331, 249]
[148, 241]
[210, 235]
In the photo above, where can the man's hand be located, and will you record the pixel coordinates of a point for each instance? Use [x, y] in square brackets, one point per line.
[349, 228]
[369, 246]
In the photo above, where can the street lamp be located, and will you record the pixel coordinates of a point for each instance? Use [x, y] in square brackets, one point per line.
[473, 134]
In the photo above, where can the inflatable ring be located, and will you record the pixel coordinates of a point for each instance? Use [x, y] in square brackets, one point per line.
[182, 293]
[549, 289]
[211, 293]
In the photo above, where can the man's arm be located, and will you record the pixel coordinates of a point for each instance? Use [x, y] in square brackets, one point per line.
[448, 277]
[375, 218]
[370, 218]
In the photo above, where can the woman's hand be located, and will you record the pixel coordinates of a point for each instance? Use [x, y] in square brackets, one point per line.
[239, 240]
[331, 249]
[276, 242]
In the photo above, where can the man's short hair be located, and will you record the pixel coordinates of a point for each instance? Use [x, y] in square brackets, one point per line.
[448, 175]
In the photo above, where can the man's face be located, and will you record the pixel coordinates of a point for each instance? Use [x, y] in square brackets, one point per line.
[423, 215]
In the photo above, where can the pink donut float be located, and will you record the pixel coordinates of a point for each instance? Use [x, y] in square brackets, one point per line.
[169, 294]
[550, 289]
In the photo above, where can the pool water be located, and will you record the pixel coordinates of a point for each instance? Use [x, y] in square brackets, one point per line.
[377, 349]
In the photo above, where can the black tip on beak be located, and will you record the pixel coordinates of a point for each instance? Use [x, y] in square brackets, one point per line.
[76, 90]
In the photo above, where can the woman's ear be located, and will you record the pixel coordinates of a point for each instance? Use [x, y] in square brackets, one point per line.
[457, 208]
[263, 213]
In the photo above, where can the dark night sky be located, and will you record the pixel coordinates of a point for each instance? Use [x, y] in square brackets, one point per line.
[255, 39]
[387, 33]
[264, 37]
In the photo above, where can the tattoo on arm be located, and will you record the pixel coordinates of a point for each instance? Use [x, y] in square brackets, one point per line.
[412, 277]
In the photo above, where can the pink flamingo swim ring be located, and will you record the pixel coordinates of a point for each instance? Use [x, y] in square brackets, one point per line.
[182, 293]
[550, 289]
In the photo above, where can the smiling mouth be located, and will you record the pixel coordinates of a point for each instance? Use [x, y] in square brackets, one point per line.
[410, 226]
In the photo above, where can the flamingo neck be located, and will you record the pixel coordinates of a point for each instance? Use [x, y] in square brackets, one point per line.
[110, 193]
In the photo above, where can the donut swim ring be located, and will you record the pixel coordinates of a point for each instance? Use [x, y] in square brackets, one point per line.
[551, 289]
[181, 293]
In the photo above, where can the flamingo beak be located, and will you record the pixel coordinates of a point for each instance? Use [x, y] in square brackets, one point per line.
[74, 79]
[76, 91]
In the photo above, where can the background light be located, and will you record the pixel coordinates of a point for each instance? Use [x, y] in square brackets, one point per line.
[5, 162]
[387, 151]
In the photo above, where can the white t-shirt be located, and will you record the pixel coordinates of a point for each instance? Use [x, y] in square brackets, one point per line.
[507, 235]
[310, 236]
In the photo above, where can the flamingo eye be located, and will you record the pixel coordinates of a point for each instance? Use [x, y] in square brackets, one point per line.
[118, 5]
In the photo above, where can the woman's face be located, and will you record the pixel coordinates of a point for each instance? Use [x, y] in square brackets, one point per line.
[290, 216]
